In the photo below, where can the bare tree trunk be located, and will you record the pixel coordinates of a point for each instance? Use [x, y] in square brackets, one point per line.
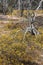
[29, 3]
[5, 6]
[19, 3]
[22, 8]
[40, 3]
[31, 19]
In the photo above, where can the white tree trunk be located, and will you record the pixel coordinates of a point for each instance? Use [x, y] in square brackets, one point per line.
[40, 3]
[19, 4]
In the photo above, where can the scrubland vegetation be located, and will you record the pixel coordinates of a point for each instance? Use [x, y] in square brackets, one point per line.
[16, 51]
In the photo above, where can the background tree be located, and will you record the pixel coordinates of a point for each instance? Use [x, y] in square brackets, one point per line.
[5, 6]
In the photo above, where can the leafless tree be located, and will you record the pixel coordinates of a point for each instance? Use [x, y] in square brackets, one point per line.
[5, 6]
[31, 19]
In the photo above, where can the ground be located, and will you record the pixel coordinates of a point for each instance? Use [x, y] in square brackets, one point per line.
[16, 51]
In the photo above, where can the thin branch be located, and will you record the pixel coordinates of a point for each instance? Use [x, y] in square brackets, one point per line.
[39, 5]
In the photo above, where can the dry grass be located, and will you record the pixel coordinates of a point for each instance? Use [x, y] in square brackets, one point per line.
[13, 50]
